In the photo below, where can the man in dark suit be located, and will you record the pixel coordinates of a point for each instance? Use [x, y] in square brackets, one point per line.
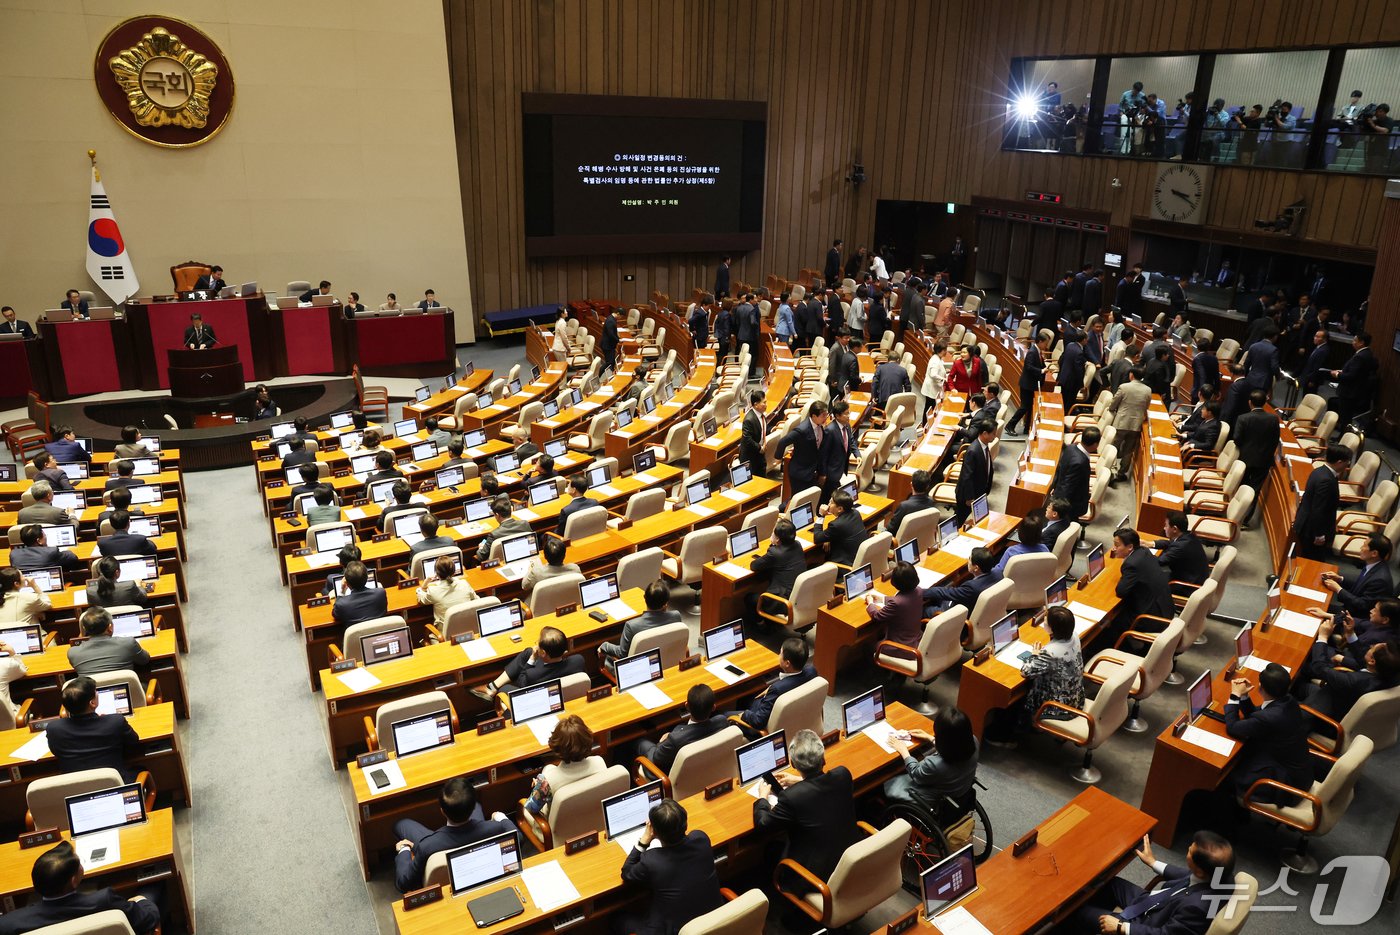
[1158, 372]
[1074, 472]
[88, 740]
[813, 320]
[840, 444]
[34, 552]
[890, 378]
[1356, 382]
[1341, 685]
[699, 324]
[911, 309]
[746, 324]
[578, 500]
[1256, 436]
[610, 339]
[549, 659]
[428, 526]
[1274, 736]
[753, 433]
[837, 373]
[808, 441]
[722, 279]
[1143, 587]
[1263, 365]
[1071, 376]
[1076, 287]
[402, 501]
[359, 603]
[123, 542]
[75, 303]
[1206, 432]
[13, 325]
[844, 533]
[1058, 515]
[126, 476]
[975, 478]
[429, 301]
[832, 270]
[1063, 287]
[1182, 556]
[352, 306]
[817, 811]
[1183, 903]
[835, 315]
[724, 332]
[793, 672]
[297, 454]
[1047, 316]
[701, 722]
[1315, 522]
[1128, 296]
[1373, 583]
[466, 824]
[1205, 368]
[1314, 372]
[211, 281]
[56, 875]
[1092, 301]
[782, 563]
[323, 289]
[983, 574]
[1032, 375]
[922, 483]
[65, 448]
[658, 598]
[680, 874]
[385, 467]
[101, 651]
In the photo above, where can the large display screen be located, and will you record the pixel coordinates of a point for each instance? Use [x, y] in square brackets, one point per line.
[641, 175]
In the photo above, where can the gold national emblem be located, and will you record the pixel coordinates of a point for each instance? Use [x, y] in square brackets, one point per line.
[166, 83]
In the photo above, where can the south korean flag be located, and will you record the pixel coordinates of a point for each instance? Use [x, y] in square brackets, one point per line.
[108, 262]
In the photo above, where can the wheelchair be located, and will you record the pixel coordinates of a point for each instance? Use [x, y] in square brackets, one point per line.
[956, 824]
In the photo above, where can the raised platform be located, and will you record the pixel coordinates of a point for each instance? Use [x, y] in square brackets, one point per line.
[217, 446]
[515, 320]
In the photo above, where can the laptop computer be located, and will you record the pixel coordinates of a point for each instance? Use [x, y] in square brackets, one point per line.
[475, 510]
[862, 711]
[476, 865]
[333, 539]
[740, 473]
[761, 758]
[980, 509]
[643, 461]
[1199, 698]
[640, 669]
[859, 581]
[138, 569]
[908, 552]
[390, 644]
[48, 580]
[1095, 561]
[323, 301]
[597, 591]
[540, 700]
[543, 492]
[625, 814]
[949, 881]
[422, 393]
[447, 477]
[508, 461]
[136, 624]
[697, 491]
[723, 639]
[474, 439]
[24, 640]
[114, 699]
[424, 732]
[61, 536]
[115, 807]
[803, 516]
[556, 447]
[743, 542]
[405, 427]
[500, 619]
[288, 301]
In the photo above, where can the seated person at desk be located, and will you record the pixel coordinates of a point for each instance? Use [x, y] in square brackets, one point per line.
[346, 555]
[369, 441]
[1182, 556]
[1381, 625]
[12, 669]
[680, 874]
[444, 590]
[985, 406]
[1055, 672]
[1187, 425]
[793, 672]
[57, 874]
[323, 289]
[455, 452]
[42, 509]
[658, 596]
[945, 772]
[101, 651]
[782, 563]
[902, 613]
[844, 533]
[1341, 686]
[310, 478]
[123, 542]
[435, 434]
[549, 659]
[65, 447]
[816, 809]
[1143, 587]
[466, 824]
[490, 484]
[432, 539]
[300, 430]
[34, 552]
[402, 493]
[297, 453]
[1183, 903]
[384, 467]
[572, 742]
[983, 574]
[578, 500]
[326, 510]
[24, 608]
[701, 722]
[211, 281]
[543, 469]
[129, 447]
[199, 336]
[1372, 584]
[359, 603]
[74, 302]
[88, 740]
[429, 301]
[353, 306]
[12, 325]
[550, 565]
[118, 499]
[46, 470]
[125, 476]
[922, 482]
[1058, 515]
[1029, 541]
[106, 590]
[1206, 432]
[507, 524]
[1273, 736]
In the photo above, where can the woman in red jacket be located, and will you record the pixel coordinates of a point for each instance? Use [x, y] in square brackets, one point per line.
[969, 373]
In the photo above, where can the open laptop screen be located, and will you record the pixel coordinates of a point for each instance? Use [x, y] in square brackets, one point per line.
[108, 808]
[527, 704]
[1095, 561]
[425, 732]
[381, 647]
[405, 427]
[543, 492]
[908, 552]
[743, 542]
[500, 619]
[863, 710]
[24, 640]
[333, 539]
[762, 756]
[483, 862]
[859, 581]
[137, 569]
[136, 624]
[597, 591]
[639, 669]
[948, 881]
[114, 699]
[628, 811]
[450, 477]
[518, 547]
[724, 639]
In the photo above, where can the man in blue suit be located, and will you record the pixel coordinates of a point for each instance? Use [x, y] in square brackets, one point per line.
[65, 448]
[87, 740]
[122, 542]
[466, 824]
[359, 603]
[579, 500]
[1274, 736]
[1183, 903]
[982, 565]
[808, 441]
[793, 672]
[56, 875]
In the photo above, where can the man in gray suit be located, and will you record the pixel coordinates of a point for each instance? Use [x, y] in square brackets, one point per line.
[101, 651]
[507, 526]
[658, 596]
[1129, 411]
[42, 510]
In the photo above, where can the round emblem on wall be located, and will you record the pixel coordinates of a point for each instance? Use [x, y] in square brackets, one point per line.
[164, 81]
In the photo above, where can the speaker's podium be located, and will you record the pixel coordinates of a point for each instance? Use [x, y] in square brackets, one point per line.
[214, 371]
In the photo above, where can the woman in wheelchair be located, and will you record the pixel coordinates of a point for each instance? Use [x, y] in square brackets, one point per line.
[946, 772]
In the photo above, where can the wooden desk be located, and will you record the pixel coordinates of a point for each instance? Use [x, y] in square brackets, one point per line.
[622, 444]
[496, 416]
[445, 400]
[1157, 469]
[1035, 470]
[574, 417]
[50, 669]
[932, 449]
[150, 854]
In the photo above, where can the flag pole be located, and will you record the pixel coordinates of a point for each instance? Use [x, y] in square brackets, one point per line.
[97, 176]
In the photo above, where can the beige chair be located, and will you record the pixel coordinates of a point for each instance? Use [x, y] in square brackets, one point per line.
[110, 922]
[1091, 726]
[461, 618]
[555, 592]
[1193, 614]
[1308, 413]
[380, 727]
[940, 648]
[873, 551]
[1375, 715]
[596, 436]
[1063, 548]
[138, 696]
[990, 607]
[799, 709]
[576, 809]
[1231, 917]
[677, 444]
[428, 558]
[1319, 807]
[673, 639]
[465, 403]
[922, 525]
[762, 521]
[697, 765]
[697, 548]
[436, 872]
[639, 569]
[642, 504]
[530, 413]
[1224, 530]
[740, 915]
[866, 465]
[868, 873]
[570, 687]
[1030, 574]
[1152, 668]
[351, 648]
[810, 496]
[810, 592]
[584, 523]
[298, 287]
[44, 796]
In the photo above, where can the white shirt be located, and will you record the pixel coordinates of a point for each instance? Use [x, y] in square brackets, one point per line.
[877, 267]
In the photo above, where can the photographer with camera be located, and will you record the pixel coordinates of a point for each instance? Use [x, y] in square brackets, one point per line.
[1246, 125]
[1214, 128]
[1154, 126]
[1129, 106]
[1377, 126]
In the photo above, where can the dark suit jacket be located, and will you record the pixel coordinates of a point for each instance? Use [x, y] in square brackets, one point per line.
[1256, 434]
[762, 706]
[637, 626]
[724, 330]
[965, 594]
[1205, 371]
[1371, 585]
[721, 281]
[1143, 589]
[523, 675]
[143, 915]
[782, 564]
[912, 504]
[699, 323]
[18, 326]
[66, 452]
[1072, 479]
[682, 882]
[80, 309]
[1340, 688]
[1129, 296]
[975, 478]
[294, 458]
[902, 614]
[807, 456]
[125, 543]
[576, 504]
[359, 606]
[844, 535]
[1311, 376]
[410, 864]
[1263, 365]
[1158, 374]
[1205, 434]
[751, 439]
[209, 283]
[1048, 314]
[1184, 558]
[1317, 511]
[94, 741]
[746, 325]
[832, 270]
[1275, 740]
[1076, 291]
[1187, 908]
[838, 449]
[813, 319]
[1032, 373]
[114, 482]
[126, 593]
[610, 336]
[1052, 532]
[1071, 369]
[30, 557]
[890, 378]
[665, 753]
[1062, 292]
[819, 817]
[1093, 297]
[206, 339]
[1354, 380]
[107, 654]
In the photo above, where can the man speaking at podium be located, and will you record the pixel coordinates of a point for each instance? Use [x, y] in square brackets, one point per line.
[212, 282]
[198, 335]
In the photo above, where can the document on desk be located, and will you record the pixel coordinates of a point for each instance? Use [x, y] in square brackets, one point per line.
[617, 609]
[385, 777]
[1309, 594]
[731, 570]
[1011, 654]
[1036, 477]
[549, 423]
[1294, 622]
[864, 509]
[1050, 436]
[1205, 739]
[726, 672]
[1043, 462]
[322, 559]
[1086, 612]
[528, 515]
[979, 532]
[927, 576]
[469, 529]
[1159, 416]
[607, 490]
[646, 477]
[628, 839]
[354, 513]
[98, 849]
[475, 452]
[478, 650]
[1256, 664]
[357, 680]
[79, 598]
[962, 546]
[496, 407]
[549, 886]
[958, 921]
[702, 511]
[542, 727]
[738, 496]
[880, 733]
[516, 571]
[649, 696]
[586, 406]
[32, 749]
[651, 419]
[1169, 497]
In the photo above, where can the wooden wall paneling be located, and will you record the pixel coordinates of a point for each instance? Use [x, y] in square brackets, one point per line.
[1383, 313]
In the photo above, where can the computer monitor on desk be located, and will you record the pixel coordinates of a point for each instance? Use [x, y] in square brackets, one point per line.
[390, 644]
[743, 542]
[424, 732]
[949, 881]
[47, 580]
[405, 427]
[908, 552]
[114, 699]
[761, 757]
[1095, 561]
[803, 516]
[543, 492]
[721, 640]
[138, 569]
[518, 547]
[598, 590]
[136, 624]
[628, 811]
[859, 582]
[451, 477]
[72, 500]
[24, 640]
[862, 711]
[540, 700]
[116, 807]
[638, 670]
[500, 619]
[980, 509]
[145, 494]
[476, 865]
[474, 438]
[333, 539]
[1199, 698]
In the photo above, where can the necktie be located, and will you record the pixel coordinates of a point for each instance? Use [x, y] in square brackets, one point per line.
[1148, 902]
[817, 431]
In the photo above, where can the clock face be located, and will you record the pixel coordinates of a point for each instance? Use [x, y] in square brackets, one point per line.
[1179, 194]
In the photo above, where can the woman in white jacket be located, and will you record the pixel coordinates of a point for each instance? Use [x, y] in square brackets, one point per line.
[935, 376]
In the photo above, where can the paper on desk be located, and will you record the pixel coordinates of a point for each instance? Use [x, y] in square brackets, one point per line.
[514, 572]
[32, 749]
[958, 921]
[469, 529]
[649, 696]
[478, 650]
[653, 418]
[549, 886]
[864, 509]
[702, 510]
[357, 680]
[928, 449]
[79, 598]
[616, 608]
[586, 406]
[738, 496]
[646, 477]
[475, 452]
[389, 776]
[1256, 664]
[880, 733]
[1043, 461]
[1085, 611]
[495, 407]
[628, 839]
[720, 670]
[1010, 653]
[321, 559]
[1212, 742]
[605, 391]
[1159, 416]
[731, 570]
[455, 390]
[1291, 620]
[1300, 459]
[1158, 469]
[106, 843]
[354, 513]
[607, 490]
[927, 576]
[1036, 477]
[1050, 436]
[542, 727]
[962, 546]
[528, 515]
[980, 532]
[753, 790]
[1308, 594]
[1169, 497]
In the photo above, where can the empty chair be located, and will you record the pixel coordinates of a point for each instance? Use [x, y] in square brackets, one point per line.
[740, 915]
[456, 422]
[1224, 530]
[1375, 715]
[762, 521]
[1231, 917]
[298, 287]
[1063, 548]
[677, 444]
[379, 729]
[1152, 667]
[639, 569]
[555, 592]
[587, 522]
[1088, 728]
[698, 764]
[1030, 574]
[596, 436]
[462, 618]
[1318, 808]
[990, 607]
[697, 548]
[530, 413]
[108, 922]
[940, 648]
[868, 873]
[645, 503]
[921, 525]
[576, 809]
[812, 589]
